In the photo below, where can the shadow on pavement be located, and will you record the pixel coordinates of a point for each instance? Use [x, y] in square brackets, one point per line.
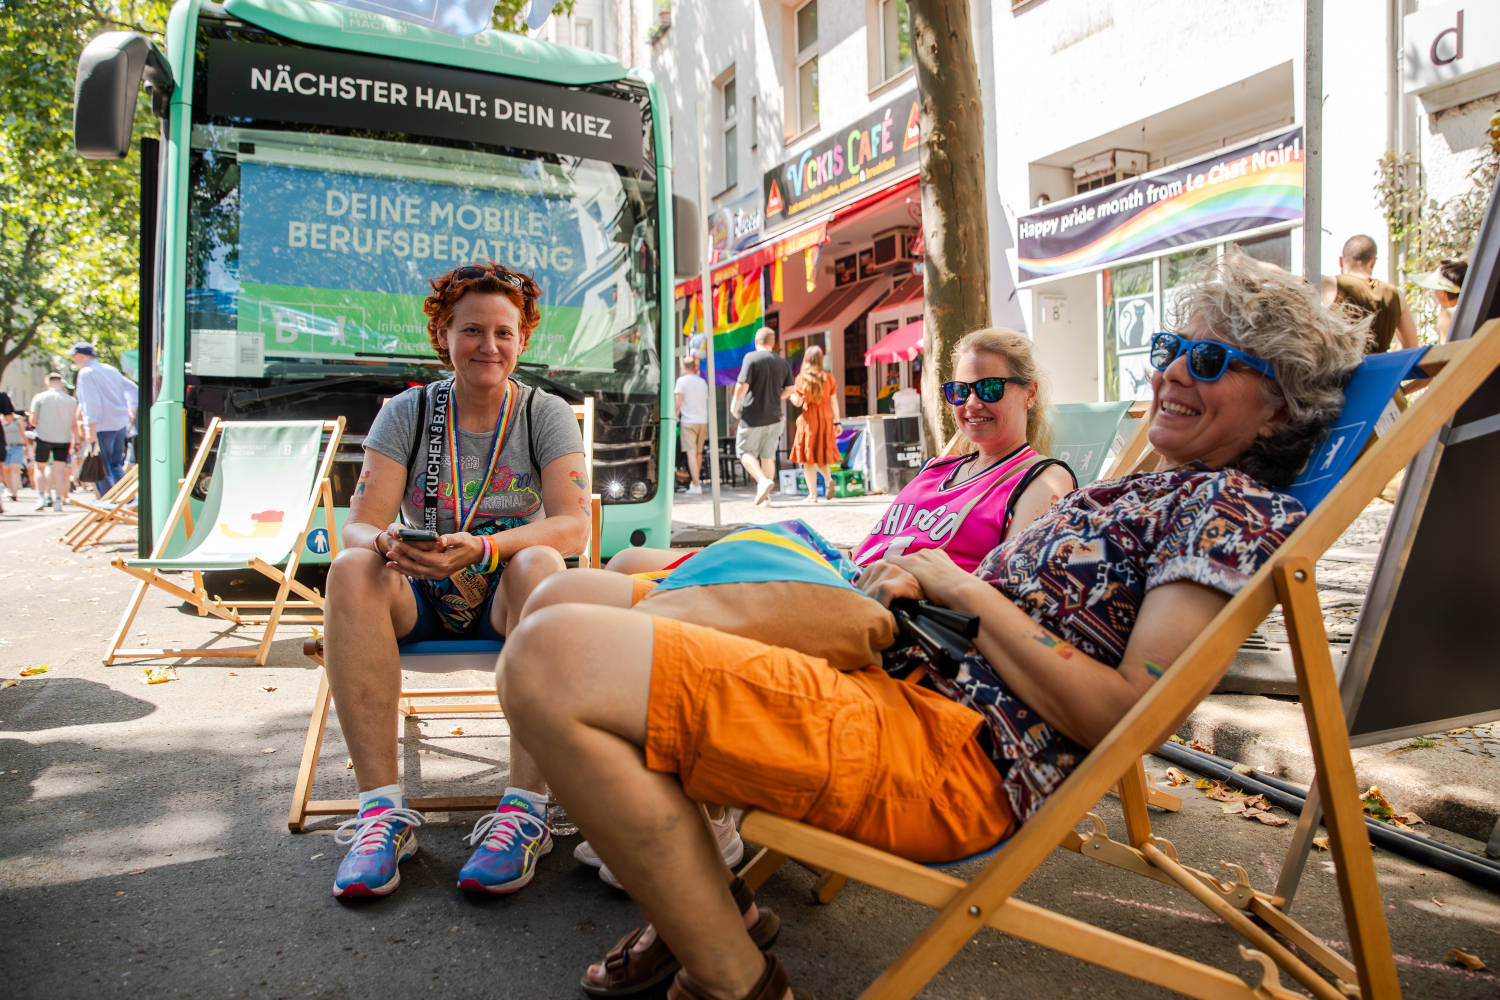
[50, 703]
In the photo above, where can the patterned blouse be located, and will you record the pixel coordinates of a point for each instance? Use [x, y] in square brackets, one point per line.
[1082, 571]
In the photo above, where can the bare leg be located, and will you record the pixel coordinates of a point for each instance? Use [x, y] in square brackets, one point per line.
[526, 570]
[810, 473]
[695, 464]
[576, 681]
[641, 560]
[769, 465]
[61, 480]
[368, 608]
[827, 471]
[752, 466]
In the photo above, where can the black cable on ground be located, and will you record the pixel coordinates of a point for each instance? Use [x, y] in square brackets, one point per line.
[1480, 871]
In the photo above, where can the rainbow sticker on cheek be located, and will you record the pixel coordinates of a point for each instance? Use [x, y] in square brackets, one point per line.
[578, 481]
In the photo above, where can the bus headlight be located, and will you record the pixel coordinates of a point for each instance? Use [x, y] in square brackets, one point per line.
[614, 489]
[639, 489]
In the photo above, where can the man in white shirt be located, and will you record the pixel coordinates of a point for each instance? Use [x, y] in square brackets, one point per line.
[692, 417]
[55, 414]
[108, 400]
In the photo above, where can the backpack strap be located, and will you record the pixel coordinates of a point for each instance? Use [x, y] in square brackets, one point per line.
[424, 403]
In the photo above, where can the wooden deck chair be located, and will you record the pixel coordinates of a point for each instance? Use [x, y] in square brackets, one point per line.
[268, 483]
[116, 506]
[1287, 578]
[437, 657]
[1085, 434]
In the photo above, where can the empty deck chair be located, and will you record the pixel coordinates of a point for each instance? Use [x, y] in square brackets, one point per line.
[269, 480]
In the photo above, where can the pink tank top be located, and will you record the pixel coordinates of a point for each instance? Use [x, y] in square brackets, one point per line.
[967, 518]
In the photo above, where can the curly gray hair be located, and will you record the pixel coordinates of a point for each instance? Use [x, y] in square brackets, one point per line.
[1277, 316]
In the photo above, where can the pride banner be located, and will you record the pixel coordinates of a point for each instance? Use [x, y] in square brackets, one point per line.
[1234, 191]
[738, 314]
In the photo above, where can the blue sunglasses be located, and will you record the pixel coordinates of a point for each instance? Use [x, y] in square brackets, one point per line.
[1207, 359]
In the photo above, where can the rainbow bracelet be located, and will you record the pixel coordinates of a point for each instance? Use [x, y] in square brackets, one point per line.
[478, 566]
[494, 557]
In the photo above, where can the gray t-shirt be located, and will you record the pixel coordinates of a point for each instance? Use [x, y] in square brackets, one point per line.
[54, 410]
[515, 495]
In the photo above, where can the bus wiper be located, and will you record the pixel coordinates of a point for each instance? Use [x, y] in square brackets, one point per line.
[245, 397]
[567, 392]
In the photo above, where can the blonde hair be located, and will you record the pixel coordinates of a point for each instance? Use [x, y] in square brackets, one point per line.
[812, 389]
[1279, 318]
[1015, 348]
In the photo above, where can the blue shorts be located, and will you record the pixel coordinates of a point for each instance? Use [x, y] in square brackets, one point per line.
[429, 628]
[15, 454]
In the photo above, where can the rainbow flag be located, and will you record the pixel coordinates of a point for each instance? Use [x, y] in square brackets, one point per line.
[738, 314]
[1255, 186]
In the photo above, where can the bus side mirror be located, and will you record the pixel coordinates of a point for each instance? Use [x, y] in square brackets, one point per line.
[685, 235]
[109, 76]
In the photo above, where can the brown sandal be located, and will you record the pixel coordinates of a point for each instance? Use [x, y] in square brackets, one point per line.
[627, 973]
[772, 985]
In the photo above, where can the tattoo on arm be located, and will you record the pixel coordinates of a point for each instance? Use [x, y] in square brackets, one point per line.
[1155, 670]
[1058, 646]
[578, 481]
[363, 478]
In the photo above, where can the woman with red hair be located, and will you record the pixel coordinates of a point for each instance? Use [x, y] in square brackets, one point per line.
[494, 474]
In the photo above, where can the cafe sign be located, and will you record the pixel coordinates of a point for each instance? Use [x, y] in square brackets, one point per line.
[850, 161]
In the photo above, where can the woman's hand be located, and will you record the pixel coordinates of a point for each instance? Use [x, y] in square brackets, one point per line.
[429, 560]
[935, 572]
[885, 582]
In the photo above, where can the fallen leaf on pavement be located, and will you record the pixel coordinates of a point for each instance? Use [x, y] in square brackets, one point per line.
[1203, 783]
[1321, 842]
[233, 674]
[9, 682]
[139, 871]
[1235, 807]
[315, 857]
[267, 690]
[1195, 745]
[456, 732]
[33, 671]
[1271, 819]
[1471, 962]
[216, 951]
[119, 894]
[1437, 901]
[158, 675]
[1174, 738]
[1243, 769]
[1410, 819]
[1377, 806]
[1176, 777]
[269, 750]
[1221, 792]
[350, 765]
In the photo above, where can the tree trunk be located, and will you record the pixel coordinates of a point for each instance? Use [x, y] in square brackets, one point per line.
[955, 230]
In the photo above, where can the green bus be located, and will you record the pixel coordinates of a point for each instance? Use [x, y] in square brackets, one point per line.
[318, 164]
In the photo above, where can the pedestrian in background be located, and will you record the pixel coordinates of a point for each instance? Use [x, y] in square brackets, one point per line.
[108, 400]
[55, 414]
[1359, 290]
[691, 392]
[765, 380]
[815, 447]
[15, 448]
[1445, 283]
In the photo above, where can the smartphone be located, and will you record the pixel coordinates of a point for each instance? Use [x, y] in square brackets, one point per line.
[416, 535]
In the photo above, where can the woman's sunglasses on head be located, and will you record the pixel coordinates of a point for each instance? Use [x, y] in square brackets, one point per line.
[1207, 359]
[989, 390]
[476, 271]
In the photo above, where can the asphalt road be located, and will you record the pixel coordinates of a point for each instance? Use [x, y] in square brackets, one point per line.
[144, 848]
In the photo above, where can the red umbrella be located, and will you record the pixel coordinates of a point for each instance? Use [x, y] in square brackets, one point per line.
[902, 344]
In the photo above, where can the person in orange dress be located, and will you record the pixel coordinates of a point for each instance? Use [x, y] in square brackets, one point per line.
[814, 447]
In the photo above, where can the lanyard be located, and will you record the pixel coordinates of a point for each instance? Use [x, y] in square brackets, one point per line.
[443, 424]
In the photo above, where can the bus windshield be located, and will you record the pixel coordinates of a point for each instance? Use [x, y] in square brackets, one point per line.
[310, 246]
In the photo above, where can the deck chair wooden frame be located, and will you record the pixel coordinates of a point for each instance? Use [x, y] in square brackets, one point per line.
[413, 702]
[273, 612]
[987, 900]
[116, 506]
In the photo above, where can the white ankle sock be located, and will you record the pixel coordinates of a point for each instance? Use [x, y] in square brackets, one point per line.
[537, 800]
[391, 792]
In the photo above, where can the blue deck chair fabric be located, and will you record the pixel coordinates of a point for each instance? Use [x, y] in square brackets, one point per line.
[1368, 409]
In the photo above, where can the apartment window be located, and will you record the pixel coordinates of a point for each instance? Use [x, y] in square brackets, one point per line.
[583, 33]
[895, 36]
[731, 147]
[807, 66]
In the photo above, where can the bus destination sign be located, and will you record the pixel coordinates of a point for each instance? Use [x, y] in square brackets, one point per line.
[322, 87]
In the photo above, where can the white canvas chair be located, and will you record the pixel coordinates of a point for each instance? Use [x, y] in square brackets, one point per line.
[117, 506]
[268, 483]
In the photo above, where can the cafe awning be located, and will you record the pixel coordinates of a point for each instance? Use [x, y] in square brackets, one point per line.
[902, 344]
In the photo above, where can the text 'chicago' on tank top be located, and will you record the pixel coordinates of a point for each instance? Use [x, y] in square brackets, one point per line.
[966, 518]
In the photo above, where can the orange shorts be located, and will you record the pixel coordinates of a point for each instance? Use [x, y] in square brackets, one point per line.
[640, 588]
[888, 764]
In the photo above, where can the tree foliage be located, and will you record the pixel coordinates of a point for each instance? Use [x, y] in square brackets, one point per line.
[1429, 232]
[510, 15]
[68, 226]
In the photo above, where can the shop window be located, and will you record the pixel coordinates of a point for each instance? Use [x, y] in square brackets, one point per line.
[1129, 321]
[731, 135]
[1176, 270]
[1273, 249]
[807, 66]
[895, 37]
